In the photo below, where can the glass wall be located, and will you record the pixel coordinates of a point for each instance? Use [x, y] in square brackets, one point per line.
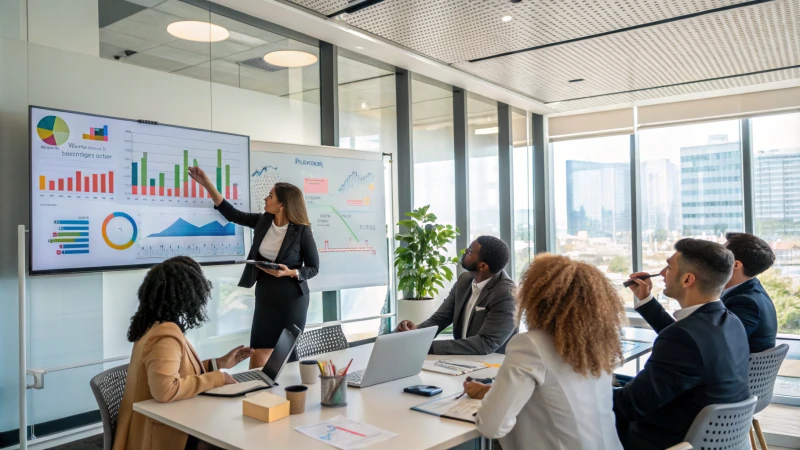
[592, 192]
[482, 144]
[434, 166]
[522, 171]
[691, 186]
[367, 121]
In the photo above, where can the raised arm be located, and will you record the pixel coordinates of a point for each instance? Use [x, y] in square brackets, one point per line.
[227, 210]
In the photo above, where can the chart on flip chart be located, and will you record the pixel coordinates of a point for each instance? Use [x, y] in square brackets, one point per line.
[345, 200]
[110, 193]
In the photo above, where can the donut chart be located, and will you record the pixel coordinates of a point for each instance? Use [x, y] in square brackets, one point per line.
[115, 217]
[53, 130]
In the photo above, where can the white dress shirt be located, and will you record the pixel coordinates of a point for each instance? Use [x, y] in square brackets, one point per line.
[679, 314]
[539, 401]
[476, 292]
[272, 242]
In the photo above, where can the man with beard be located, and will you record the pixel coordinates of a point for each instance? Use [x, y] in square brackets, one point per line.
[480, 305]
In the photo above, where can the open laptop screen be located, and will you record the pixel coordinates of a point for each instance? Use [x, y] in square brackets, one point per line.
[280, 354]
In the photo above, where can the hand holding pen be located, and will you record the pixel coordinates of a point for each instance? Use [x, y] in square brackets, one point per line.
[640, 284]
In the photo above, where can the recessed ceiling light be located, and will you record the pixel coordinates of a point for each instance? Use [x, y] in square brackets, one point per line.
[553, 103]
[506, 18]
[290, 58]
[576, 80]
[363, 105]
[192, 30]
[360, 48]
[490, 130]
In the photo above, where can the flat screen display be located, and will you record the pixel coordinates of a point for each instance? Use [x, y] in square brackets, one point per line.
[109, 193]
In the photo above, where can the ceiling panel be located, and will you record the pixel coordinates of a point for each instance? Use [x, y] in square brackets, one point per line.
[733, 42]
[462, 30]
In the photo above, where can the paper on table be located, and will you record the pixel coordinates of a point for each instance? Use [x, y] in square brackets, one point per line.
[463, 408]
[346, 434]
[452, 366]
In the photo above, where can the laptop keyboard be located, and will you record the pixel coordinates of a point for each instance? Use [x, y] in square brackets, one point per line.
[251, 375]
[354, 378]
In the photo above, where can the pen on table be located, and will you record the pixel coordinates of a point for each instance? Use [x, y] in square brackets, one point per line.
[629, 283]
[465, 389]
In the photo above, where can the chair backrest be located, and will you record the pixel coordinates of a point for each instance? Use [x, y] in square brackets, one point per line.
[108, 388]
[321, 340]
[763, 372]
[723, 427]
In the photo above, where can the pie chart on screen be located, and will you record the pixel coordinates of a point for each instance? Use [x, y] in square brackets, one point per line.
[53, 130]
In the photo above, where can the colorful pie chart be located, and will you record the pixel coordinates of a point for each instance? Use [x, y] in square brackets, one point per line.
[53, 130]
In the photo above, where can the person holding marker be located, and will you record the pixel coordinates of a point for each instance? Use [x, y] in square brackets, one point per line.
[282, 235]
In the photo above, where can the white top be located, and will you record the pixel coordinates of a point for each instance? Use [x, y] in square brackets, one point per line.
[538, 397]
[679, 314]
[219, 421]
[476, 292]
[271, 244]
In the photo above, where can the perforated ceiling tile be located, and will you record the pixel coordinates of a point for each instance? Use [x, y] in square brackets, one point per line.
[734, 42]
[462, 30]
[706, 86]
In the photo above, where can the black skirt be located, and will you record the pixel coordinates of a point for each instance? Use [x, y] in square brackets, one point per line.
[279, 304]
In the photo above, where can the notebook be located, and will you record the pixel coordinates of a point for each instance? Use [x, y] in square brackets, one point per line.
[463, 409]
[238, 389]
[453, 366]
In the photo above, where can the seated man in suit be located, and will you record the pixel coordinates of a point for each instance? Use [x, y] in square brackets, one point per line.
[480, 306]
[698, 360]
[744, 295]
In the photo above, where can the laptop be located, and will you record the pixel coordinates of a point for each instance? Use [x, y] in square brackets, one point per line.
[277, 360]
[394, 356]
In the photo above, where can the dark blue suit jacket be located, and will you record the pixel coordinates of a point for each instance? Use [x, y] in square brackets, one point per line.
[698, 361]
[752, 305]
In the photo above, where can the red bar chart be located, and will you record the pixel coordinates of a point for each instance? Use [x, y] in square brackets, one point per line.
[102, 183]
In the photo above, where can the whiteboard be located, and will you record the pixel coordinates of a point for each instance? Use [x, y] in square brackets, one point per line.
[345, 198]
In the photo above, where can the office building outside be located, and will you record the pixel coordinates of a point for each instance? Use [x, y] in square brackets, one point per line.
[598, 198]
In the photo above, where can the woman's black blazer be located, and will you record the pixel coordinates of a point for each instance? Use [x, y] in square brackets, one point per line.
[298, 251]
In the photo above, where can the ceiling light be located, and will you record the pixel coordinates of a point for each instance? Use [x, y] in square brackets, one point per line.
[490, 130]
[290, 58]
[360, 48]
[196, 31]
[363, 105]
[553, 103]
[506, 18]
[576, 80]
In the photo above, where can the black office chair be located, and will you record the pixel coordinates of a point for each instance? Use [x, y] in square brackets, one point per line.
[321, 340]
[108, 388]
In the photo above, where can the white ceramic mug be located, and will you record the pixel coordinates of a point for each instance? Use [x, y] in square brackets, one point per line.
[309, 371]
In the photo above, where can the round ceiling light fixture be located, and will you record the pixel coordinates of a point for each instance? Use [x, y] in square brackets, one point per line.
[506, 18]
[192, 30]
[290, 58]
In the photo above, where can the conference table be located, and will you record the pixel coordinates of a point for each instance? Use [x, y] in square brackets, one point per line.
[219, 421]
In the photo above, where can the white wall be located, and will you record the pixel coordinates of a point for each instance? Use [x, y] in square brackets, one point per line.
[81, 318]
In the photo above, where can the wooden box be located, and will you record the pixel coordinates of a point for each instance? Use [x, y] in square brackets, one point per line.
[265, 407]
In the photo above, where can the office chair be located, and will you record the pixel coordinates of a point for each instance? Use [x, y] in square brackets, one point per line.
[762, 373]
[720, 427]
[321, 340]
[108, 388]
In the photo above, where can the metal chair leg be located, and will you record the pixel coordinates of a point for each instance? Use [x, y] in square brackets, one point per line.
[760, 435]
[752, 439]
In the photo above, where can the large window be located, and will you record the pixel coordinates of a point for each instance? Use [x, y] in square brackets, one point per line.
[593, 203]
[484, 193]
[522, 163]
[691, 186]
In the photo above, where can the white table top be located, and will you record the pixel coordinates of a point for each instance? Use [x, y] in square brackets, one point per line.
[220, 421]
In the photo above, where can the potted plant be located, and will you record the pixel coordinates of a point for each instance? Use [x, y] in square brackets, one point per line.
[421, 263]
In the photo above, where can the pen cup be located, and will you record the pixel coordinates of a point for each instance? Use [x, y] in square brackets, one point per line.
[309, 371]
[334, 391]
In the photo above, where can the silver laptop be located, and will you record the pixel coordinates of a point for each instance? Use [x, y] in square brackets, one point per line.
[277, 360]
[394, 356]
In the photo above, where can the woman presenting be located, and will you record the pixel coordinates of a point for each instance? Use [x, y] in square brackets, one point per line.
[281, 235]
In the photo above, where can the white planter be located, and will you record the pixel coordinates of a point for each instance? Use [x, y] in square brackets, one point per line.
[417, 311]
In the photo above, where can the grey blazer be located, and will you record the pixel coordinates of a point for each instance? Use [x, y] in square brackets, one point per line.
[492, 322]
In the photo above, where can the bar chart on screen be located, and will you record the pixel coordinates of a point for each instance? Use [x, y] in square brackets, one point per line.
[75, 180]
[156, 170]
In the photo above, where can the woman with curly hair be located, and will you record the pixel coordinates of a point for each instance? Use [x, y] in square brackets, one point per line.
[164, 365]
[554, 387]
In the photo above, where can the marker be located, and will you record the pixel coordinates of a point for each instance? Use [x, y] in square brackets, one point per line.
[641, 277]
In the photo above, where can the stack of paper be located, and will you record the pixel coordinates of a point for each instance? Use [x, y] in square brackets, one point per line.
[453, 366]
[346, 434]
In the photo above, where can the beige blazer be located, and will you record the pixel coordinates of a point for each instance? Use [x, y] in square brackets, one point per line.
[165, 367]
